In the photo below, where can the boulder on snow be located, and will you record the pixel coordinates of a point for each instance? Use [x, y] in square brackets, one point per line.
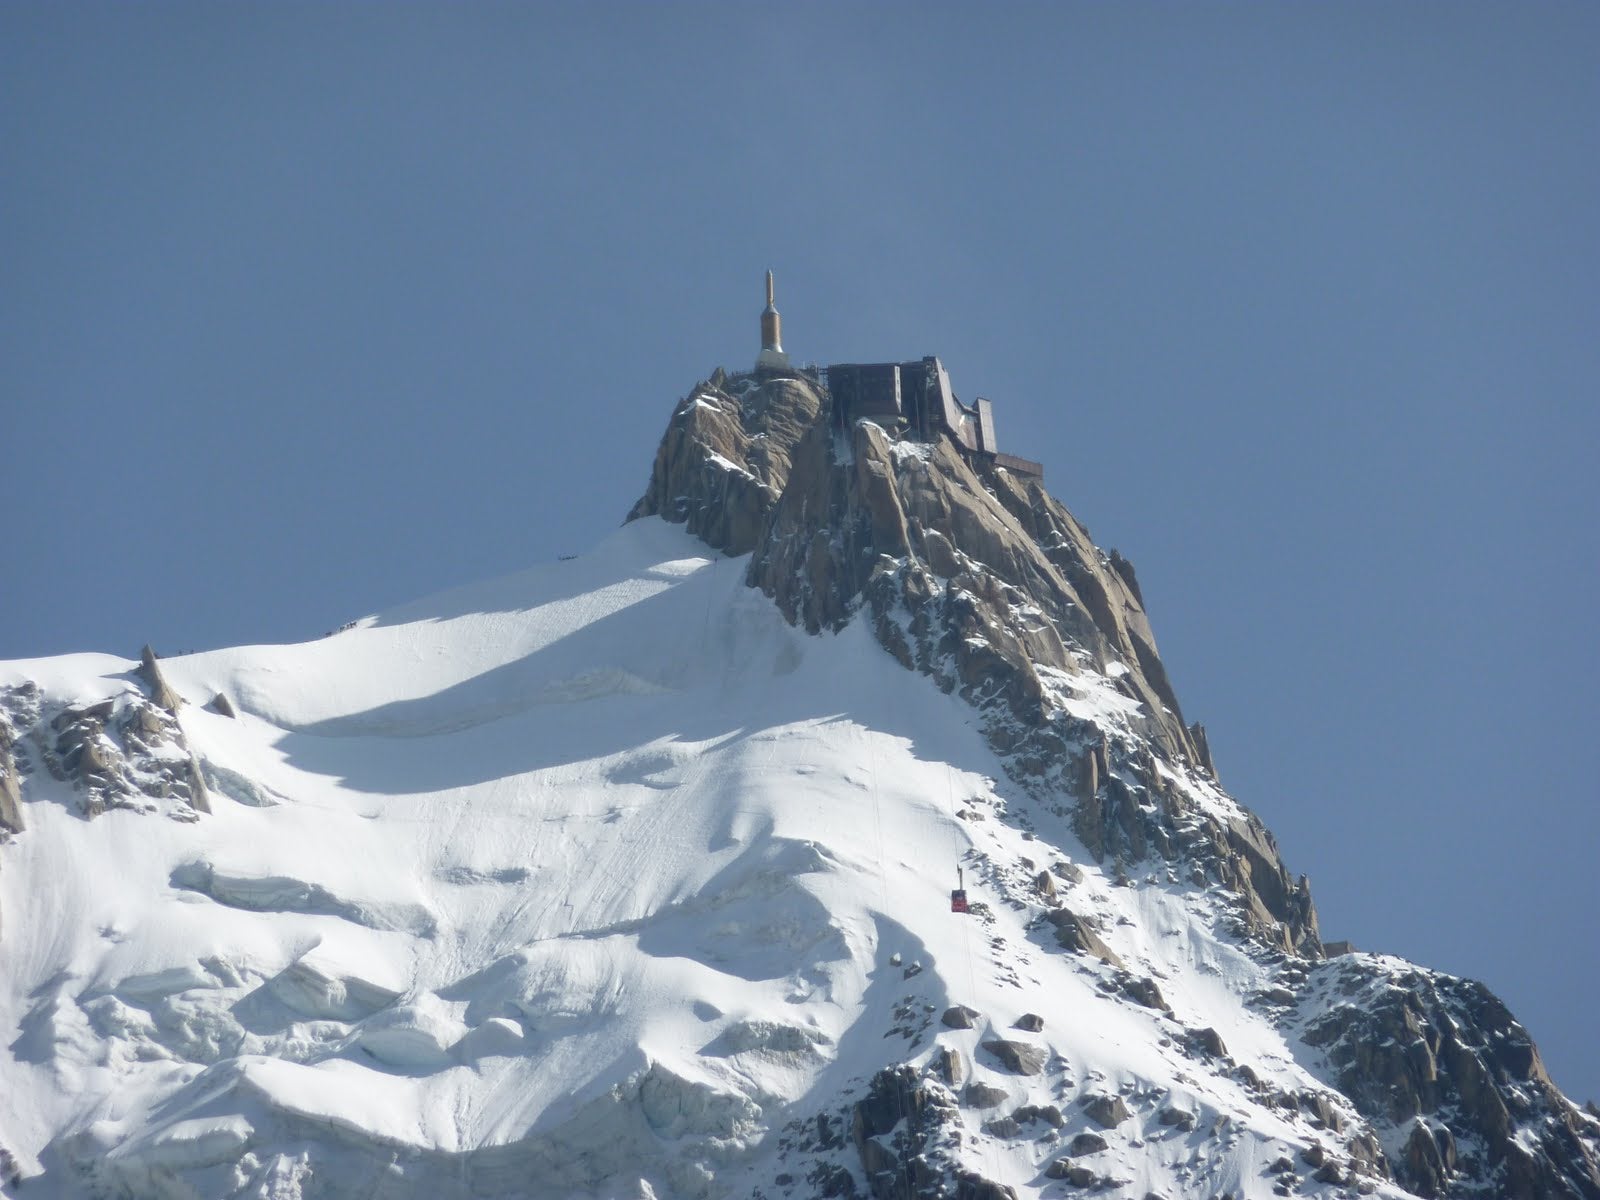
[1106, 1111]
[972, 1186]
[1087, 1143]
[1020, 1058]
[1142, 990]
[1071, 1172]
[1049, 1114]
[1323, 1114]
[1330, 1172]
[222, 706]
[1003, 1127]
[1067, 871]
[1073, 933]
[1181, 1118]
[1206, 1041]
[959, 1016]
[950, 1066]
[1032, 1022]
[984, 1095]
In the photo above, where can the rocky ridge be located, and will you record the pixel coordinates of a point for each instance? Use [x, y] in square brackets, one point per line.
[976, 577]
[127, 751]
[124, 752]
[1117, 890]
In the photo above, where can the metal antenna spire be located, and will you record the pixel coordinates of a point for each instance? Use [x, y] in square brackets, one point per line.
[772, 355]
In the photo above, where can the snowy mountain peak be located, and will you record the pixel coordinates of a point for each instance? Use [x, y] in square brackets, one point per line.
[629, 876]
[975, 576]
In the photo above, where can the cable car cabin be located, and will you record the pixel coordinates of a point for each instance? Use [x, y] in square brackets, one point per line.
[958, 900]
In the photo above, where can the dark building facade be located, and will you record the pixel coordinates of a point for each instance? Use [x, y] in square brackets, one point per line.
[917, 398]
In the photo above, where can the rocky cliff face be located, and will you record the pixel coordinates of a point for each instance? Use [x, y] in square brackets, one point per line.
[622, 878]
[978, 578]
[127, 751]
[1444, 1068]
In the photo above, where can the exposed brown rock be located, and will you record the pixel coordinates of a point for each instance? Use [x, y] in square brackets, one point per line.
[160, 691]
[1424, 1045]
[1207, 1041]
[984, 1095]
[1048, 1113]
[725, 460]
[1106, 1111]
[1180, 1118]
[952, 1069]
[1426, 1169]
[902, 1129]
[1142, 990]
[1065, 1169]
[976, 577]
[123, 753]
[1073, 933]
[959, 1016]
[1020, 1058]
[1002, 1127]
[10, 782]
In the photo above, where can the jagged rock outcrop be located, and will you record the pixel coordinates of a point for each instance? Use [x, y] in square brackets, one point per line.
[978, 578]
[902, 1131]
[1442, 1066]
[1073, 933]
[126, 752]
[974, 576]
[10, 781]
[1020, 1058]
[160, 691]
[725, 459]
[1105, 1111]
[11, 822]
[711, 937]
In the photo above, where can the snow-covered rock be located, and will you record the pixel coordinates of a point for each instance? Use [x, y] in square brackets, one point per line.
[628, 876]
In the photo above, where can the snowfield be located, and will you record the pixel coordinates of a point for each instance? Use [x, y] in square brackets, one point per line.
[595, 881]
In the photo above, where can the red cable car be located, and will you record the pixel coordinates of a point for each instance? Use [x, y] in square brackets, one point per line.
[958, 896]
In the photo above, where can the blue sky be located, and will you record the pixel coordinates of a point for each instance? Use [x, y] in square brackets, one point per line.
[306, 310]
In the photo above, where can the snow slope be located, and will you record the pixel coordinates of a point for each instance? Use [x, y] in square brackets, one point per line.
[599, 880]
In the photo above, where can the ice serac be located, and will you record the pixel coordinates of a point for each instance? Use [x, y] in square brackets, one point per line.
[976, 576]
